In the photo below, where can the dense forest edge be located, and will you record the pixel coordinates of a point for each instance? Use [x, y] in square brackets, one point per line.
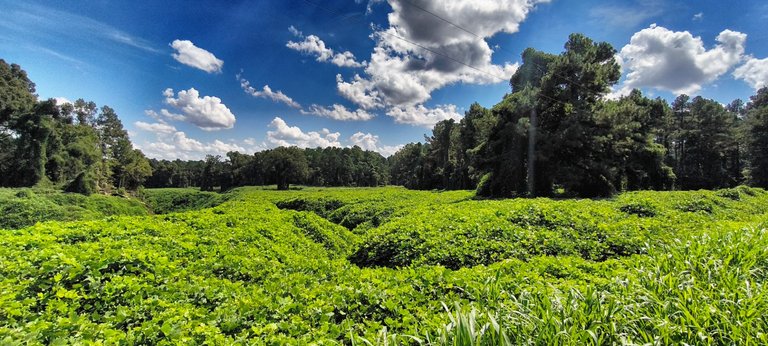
[557, 133]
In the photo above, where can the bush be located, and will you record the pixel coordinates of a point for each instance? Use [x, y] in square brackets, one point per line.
[640, 208]
[82, 184]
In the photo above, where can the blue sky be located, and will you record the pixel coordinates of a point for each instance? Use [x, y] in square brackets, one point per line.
[190, 78]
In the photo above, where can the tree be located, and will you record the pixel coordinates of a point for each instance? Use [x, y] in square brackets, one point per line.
[562, 93]
[286, 165]
[17, 93]
[705, 138]
[757, 125]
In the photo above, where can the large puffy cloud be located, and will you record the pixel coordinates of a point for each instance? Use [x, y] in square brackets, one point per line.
[754, 72]
[267, 92]
[423, 116]
[368, 141]
[420, 52]
[285, 135]
[313, 45]
[189, 54]
[360, 91]
[207, 112]
[339, 112]
[676, 61]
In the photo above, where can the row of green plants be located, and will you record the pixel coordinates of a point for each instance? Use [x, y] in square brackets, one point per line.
[282, 267]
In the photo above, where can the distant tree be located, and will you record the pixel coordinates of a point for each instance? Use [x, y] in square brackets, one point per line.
[757, 130]
[212, 173]
[286, 165]
[705, 138]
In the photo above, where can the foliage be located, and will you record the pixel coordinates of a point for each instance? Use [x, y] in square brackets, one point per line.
[24, 207]
[164, 201]
[43, 144]
[244, 271]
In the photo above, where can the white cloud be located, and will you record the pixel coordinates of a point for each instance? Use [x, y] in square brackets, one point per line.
[698, 16]
[360, 91]
[677, 61]
[189, 54]
[295, 32]
[207, 112]
[626, 15]
[419, 53]
[754, 72]
[21, 18]
[367, 141]
[284, 135]
[423, 116]
[313, 45]
[339, 112]
[180, 146]
[159, 128]
[164, 114]
[266, 92]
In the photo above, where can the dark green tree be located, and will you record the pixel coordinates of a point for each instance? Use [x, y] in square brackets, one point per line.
[286, 165]
[757, 130]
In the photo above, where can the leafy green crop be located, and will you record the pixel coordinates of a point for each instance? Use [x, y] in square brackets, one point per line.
[24, 207]
[396, 267]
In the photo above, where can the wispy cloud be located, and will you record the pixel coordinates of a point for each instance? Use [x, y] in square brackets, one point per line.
[55, 25]
[627, 16]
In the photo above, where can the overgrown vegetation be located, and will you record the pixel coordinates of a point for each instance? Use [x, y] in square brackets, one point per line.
[645, 267]
[25, 207]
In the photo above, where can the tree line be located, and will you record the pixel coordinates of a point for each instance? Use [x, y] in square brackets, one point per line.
[76, 146]
[557, 133]
[281, 166]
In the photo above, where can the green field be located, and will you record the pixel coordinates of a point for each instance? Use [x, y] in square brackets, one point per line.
[389, 266]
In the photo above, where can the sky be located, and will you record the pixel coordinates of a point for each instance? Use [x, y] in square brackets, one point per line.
[193, 78]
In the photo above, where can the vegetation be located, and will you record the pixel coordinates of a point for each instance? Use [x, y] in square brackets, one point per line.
[556, 133]
[75, 146]
[25, 207]
[330, 267]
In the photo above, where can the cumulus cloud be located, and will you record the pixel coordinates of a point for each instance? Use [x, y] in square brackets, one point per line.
[423, 116]
[207, 112]
[285, 135]
[180, 146]
[422, 51]
[189, 54]
[338, 112]
[676, 61]
[313, 45]
[159, 127]
[367, 141]
[360, 91]
[754, 72]
[266, 92]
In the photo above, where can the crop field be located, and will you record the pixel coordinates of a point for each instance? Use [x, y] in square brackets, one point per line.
[390, 266]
